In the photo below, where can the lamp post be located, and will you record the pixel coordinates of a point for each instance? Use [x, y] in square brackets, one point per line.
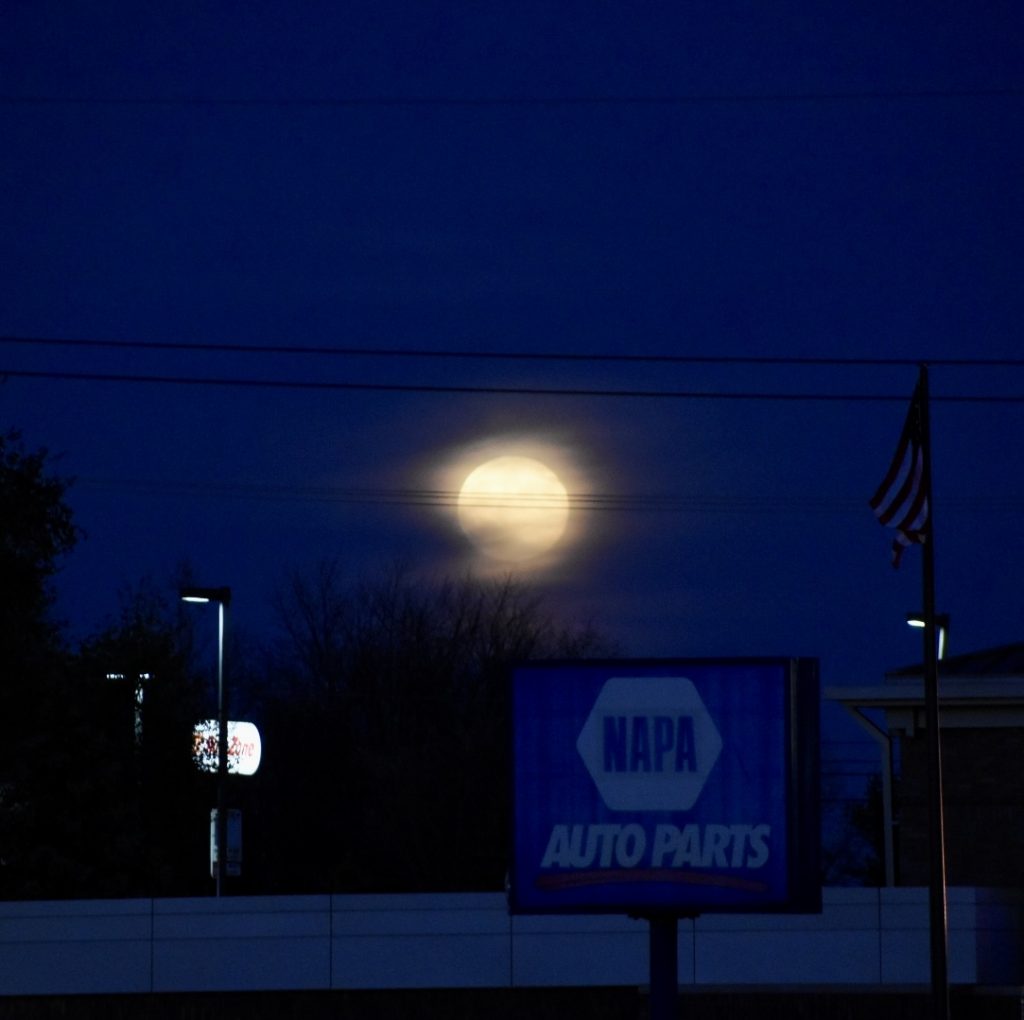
[222, 596]
[941, 625]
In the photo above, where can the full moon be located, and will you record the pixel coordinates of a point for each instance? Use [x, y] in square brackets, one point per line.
[513, 508]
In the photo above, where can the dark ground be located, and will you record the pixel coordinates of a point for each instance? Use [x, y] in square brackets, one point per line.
[505, 1004]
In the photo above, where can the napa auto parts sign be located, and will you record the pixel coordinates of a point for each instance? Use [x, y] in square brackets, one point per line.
[683, 786]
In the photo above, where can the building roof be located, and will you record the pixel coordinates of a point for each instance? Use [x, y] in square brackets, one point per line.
[1004, 661]
[990, 678]
[952, 693]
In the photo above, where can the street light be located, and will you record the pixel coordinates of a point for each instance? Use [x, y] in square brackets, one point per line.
[222, 596]
[941, 625]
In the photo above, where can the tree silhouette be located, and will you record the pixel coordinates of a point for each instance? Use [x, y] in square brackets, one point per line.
[399, 777]
[383, 710]
[36, 531]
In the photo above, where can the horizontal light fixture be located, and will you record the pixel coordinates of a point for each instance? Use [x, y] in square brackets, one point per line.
[221, 595]
[917, 619]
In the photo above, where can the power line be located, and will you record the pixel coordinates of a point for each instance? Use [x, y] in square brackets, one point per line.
[491, 355]
[525, 102]
[532, 391]
[450, 498]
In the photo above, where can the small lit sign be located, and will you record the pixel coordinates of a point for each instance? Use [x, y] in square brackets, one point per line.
[244, 747]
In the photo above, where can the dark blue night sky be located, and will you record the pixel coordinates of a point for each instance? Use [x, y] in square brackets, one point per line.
[737, 180]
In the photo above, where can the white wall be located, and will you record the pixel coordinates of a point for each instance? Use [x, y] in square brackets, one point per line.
[863, 937]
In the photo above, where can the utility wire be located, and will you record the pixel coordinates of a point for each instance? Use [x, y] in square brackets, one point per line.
[450, 498]
[526, 102]
[491, 355]
[532, 391]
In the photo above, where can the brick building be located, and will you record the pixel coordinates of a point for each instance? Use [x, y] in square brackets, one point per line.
[981, 713]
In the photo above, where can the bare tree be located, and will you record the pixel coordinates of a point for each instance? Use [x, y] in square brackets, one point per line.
[312, 610]
[410, 698]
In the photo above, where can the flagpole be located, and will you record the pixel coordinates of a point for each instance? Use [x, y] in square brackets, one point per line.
[937, 910]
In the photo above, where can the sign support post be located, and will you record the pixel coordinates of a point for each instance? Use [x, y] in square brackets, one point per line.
[664, 965]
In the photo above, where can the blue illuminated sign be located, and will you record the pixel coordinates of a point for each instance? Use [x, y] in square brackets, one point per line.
[682, 786]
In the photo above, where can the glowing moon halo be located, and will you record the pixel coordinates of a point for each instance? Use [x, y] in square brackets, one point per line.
[513, 508]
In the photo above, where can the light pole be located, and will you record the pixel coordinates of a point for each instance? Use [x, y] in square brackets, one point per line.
[222, 596]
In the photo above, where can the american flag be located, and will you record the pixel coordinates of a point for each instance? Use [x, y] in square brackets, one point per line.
[901, 501]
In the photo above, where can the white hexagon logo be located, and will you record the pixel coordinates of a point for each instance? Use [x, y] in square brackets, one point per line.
[649, 743]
